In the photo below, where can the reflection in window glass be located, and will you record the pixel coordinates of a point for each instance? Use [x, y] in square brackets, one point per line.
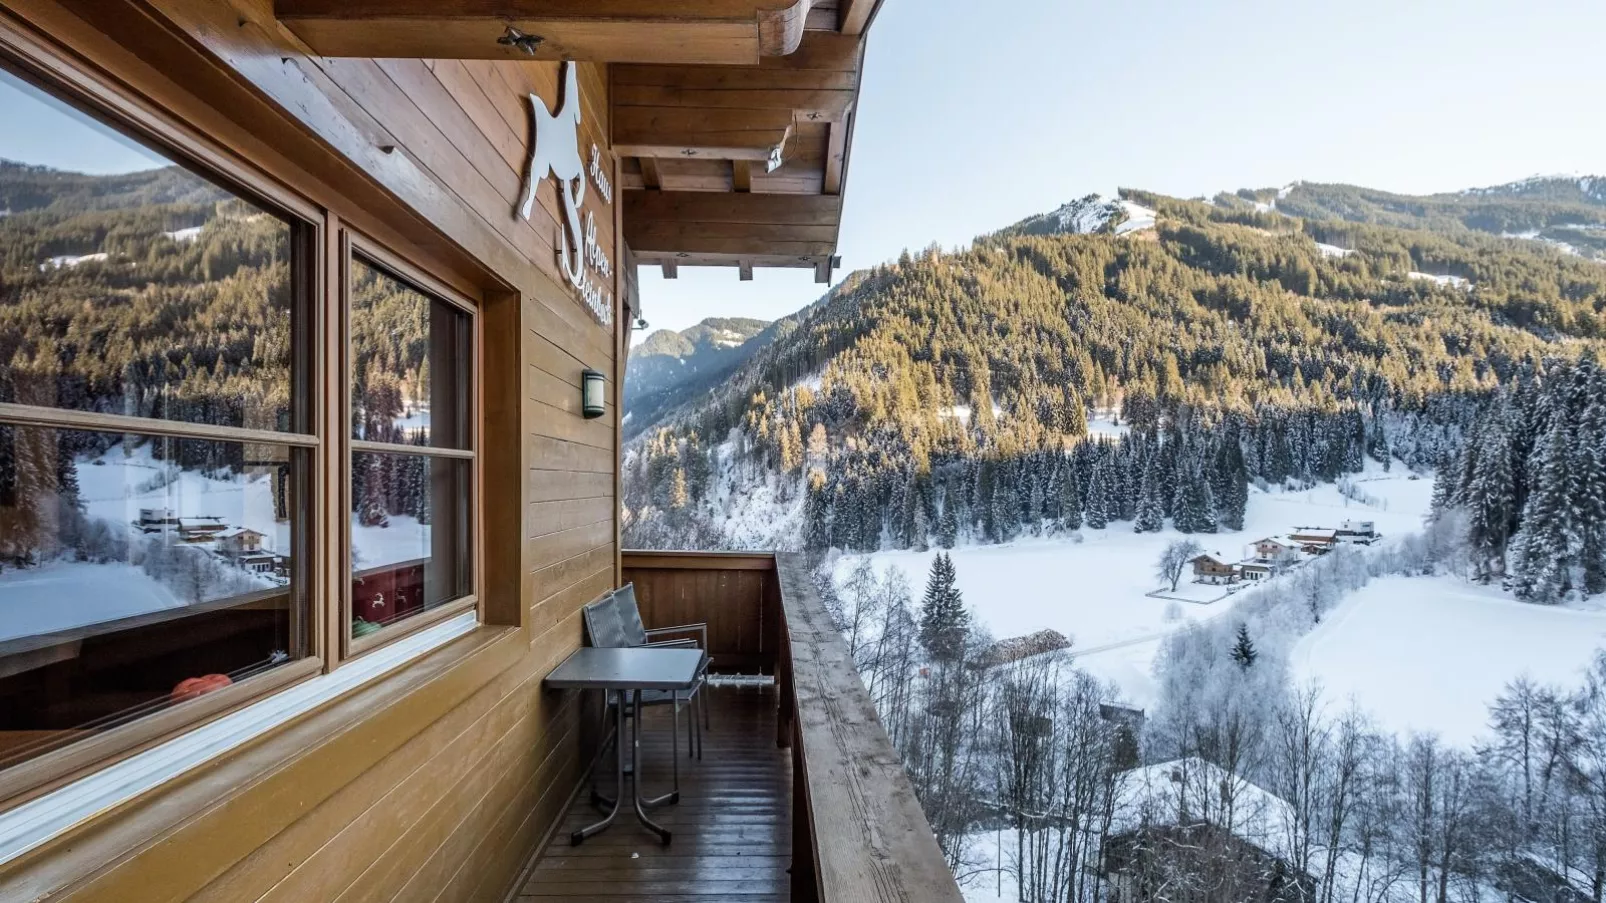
[137, 572]
[138, 288]
[409, 536]
[410, 355]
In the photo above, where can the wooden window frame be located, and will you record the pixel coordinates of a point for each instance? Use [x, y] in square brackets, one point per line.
[354, 244]
[125, 113]
[320, 365]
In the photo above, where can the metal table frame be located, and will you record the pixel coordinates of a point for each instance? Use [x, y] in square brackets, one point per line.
[628, 671]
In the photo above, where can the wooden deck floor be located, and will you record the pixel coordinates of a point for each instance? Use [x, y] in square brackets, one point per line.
[732, 828]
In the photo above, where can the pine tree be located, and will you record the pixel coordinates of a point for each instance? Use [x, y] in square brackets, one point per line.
[1151, 511]
[371, 510]
[1490, 501]
[944, 622]
[1549, 543]
[1243, 649]
[1098, 498]
[1070, 501]
[948, 522]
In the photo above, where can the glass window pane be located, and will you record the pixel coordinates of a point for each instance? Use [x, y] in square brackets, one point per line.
[138, 572]
[410, 362]
[131, 286]
[409, 536]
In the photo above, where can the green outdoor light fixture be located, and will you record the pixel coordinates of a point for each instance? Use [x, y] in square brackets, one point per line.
[593, 394]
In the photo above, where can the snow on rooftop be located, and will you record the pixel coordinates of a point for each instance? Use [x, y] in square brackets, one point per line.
[1186, 790]
[183, 235]
[1333, 250]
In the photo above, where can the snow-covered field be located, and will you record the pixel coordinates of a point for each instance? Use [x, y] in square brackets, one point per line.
[1431, 653]
[63, 595]
[114, 488]
[1094, 591]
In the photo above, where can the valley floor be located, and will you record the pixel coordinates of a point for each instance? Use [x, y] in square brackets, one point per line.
[1095, 591]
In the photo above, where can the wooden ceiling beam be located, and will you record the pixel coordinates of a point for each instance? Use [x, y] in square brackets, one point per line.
[764, 261]
[740, 209]
[853, 16]
[813, 105]
[700, 133]
[723, 32]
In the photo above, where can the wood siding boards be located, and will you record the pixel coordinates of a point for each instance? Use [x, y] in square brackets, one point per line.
[438, 781]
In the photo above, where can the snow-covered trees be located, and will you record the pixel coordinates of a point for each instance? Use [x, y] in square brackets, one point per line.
[1530, 481]
[1243, 648]
[944, 622]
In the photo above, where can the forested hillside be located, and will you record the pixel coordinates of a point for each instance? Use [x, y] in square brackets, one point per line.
[946, 396]
[158, 294]
[668, 368]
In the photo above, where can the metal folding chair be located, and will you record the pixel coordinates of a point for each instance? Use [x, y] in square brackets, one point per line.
[637, 634]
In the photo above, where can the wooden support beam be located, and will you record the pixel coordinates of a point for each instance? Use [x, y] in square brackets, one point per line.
[671, 270]
[670, 223]
[836, 155]
[853, 16]
[744, 270]
[756, 261]
[739, 209]
[701, 133]
[742, 175]
[811, 104]
[725, 32]
[649, 173]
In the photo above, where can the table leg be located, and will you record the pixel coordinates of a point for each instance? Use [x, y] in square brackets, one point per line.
[635, 759]
[673, 796]
[579, 836]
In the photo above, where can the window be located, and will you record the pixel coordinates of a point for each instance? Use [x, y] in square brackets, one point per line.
[167, 398]
[412, 454]
[155, 434]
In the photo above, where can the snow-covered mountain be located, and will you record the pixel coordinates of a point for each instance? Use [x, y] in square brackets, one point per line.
[670, 366]
[1566, 187]
[1091, 214]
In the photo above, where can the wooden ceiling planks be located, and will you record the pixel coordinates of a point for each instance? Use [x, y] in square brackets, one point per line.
[683, 130]
[725, 32]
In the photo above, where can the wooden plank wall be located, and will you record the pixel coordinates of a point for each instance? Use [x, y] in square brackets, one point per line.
[736, 595]
[438, 783]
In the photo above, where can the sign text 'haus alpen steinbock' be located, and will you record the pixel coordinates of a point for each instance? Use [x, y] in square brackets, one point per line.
[556, 151]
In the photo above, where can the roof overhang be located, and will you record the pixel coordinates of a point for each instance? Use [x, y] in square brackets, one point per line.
[732, 119]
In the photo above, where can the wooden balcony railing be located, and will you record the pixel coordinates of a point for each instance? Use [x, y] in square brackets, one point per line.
[857, 830]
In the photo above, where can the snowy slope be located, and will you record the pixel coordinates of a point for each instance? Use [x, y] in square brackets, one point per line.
[1454, 644]
[1090, 214]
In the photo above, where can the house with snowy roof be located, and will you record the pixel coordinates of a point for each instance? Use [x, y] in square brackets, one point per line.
[238, 541]
[1213, 567]
[1191, 828]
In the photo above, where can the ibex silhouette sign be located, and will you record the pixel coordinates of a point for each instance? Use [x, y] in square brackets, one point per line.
[555, 151]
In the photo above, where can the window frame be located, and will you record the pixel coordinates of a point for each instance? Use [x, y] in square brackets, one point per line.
[353, 245]
[120, 111]
[320, 392]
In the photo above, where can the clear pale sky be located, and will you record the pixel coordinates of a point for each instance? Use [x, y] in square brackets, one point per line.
[973, 115]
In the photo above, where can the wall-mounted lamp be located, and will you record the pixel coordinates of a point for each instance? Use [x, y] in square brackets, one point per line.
[593, 394]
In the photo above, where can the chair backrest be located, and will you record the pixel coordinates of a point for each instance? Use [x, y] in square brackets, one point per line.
[603, 624]
[630, 615]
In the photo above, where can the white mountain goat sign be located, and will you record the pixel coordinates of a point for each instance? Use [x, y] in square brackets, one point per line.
[555, 151]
